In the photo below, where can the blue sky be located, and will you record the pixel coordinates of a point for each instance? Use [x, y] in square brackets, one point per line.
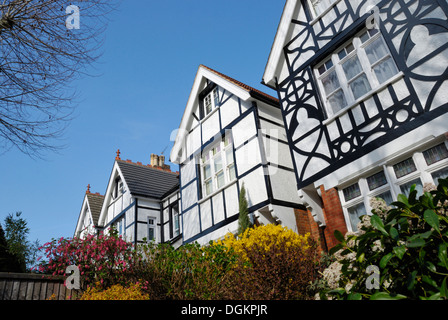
[151, 54]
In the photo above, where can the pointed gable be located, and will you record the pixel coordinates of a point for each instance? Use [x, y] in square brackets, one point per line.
[95, 202]
[206, 78]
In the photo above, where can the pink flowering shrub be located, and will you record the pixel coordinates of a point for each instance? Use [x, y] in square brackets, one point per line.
[104, 259]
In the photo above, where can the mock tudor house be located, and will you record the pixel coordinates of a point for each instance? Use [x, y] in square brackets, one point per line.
[90, 211]
[231, 134]
[364, 98]
[141, 202]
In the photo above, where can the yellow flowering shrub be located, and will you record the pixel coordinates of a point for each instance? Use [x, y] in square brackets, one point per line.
[263, 238]
[115, 292]
[276, 263]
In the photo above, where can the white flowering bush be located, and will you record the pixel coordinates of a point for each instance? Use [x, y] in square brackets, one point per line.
[399, 252]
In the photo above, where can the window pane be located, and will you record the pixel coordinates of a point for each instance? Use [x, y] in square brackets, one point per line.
[376, 50]
[377, 180]
[218, 163]
[229, 156]
[207, 171]
[330, 82]
[208, 104]
[386, 196]
[354, 213]
[404, 167]
[342, 54]
[350, 48]
[208, 187]
[385, 70]
[321, 69]
[150, 233]
[352, 67]
[231, 169]
[220, 179]
[440, 174]
[337, 101]
[360, 86]
[216, 97]
[435, 154]
[364, 37]
[405, 188]
[352, 192]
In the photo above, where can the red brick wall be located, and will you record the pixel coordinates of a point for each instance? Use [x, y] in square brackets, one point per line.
[334, 219]
[305, 223]
[334, 216]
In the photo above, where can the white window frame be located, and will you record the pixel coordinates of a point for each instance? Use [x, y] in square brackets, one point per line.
[212, 100]
[175, 216]
[367, 70]
[423, 172]
[149, 226]
[210, 157]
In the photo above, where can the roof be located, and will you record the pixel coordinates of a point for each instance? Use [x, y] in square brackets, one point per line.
[147, 181]
[95, 204]
[252, 91]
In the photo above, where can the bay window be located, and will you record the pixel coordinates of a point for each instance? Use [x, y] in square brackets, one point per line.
[361, 65]
[392, 179]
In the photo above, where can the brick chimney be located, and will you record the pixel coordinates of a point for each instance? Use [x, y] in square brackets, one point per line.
[154, 160]
[159, 161]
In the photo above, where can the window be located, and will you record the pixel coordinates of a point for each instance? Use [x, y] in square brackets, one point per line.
[119, 188]
[426, 166]
[362, 64]
[404, 168]
[435, 154]
[151, 235]
[217, 166]
[175, 221]
[211, 101]
[352, 192]
[376, 181]
[439, 174]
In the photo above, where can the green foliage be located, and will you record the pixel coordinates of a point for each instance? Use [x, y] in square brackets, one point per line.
[20, 253]
[279, 268]
[188, 272]
[8, 261]
[243, 219]
[408, 243]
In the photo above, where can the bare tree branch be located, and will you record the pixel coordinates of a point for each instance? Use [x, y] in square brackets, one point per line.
[39, 58]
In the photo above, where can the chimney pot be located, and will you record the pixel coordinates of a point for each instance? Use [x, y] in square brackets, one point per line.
[161, 160]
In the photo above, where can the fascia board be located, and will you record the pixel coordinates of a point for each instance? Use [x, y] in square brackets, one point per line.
[107, 195]
[279, 42]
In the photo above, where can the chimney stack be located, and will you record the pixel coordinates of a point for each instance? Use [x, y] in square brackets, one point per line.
[159, 161]
[154, 160]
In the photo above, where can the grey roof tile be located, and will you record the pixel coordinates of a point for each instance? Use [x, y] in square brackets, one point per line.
[147, 181]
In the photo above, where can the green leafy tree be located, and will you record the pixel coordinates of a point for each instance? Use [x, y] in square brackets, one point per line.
[16, 235]
[243, 219]
[398, 253]
[8, 261]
